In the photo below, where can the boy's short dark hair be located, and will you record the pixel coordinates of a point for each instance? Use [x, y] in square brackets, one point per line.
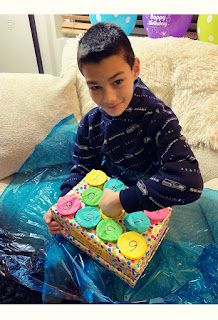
[101, 41]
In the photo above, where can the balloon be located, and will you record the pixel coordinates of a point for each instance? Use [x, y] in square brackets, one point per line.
[165, 25]
[125, 21]
[207, 28]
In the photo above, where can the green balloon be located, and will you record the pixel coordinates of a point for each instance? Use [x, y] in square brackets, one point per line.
[207, 28]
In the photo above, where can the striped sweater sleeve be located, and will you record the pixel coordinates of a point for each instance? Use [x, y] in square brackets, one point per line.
[84, 157]
[177, 181]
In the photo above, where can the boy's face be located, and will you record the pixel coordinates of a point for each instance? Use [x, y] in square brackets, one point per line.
[110, 83]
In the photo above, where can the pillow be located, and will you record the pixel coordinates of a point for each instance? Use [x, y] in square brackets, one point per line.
[208, 163]
[69, 62]
[184, 74]
[31, 105]
[195, 87]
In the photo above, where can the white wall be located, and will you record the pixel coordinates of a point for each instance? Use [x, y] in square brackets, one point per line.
[17, 52]
[51, 42]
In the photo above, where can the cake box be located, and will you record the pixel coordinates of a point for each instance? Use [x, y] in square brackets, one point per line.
[108, 253]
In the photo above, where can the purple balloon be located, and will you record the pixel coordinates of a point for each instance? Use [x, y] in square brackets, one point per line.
[165, 25]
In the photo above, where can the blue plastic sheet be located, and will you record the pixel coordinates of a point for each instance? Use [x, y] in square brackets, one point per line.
[183, 270]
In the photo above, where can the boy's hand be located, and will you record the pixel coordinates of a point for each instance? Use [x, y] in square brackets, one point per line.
[53, 226]
[110, 203]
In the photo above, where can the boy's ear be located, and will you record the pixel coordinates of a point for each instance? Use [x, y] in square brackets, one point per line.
[136, 68]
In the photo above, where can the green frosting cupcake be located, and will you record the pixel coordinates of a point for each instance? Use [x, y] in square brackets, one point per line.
[88, 217]
[115, 185]
[109, 230]
[92, 196]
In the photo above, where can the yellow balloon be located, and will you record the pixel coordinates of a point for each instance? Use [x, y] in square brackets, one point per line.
[207, 28]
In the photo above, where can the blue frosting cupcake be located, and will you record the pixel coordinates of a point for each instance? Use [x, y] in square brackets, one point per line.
[88, 217]
[136, 221]
[115, 185]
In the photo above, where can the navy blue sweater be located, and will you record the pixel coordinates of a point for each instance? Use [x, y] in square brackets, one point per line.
[144, 148]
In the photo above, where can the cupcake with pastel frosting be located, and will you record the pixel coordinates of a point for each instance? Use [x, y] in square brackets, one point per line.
[96, 178]
[115, 185]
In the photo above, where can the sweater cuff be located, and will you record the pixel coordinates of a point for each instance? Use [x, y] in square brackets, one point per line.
[133, 200]
[64, 191]
[130, 200]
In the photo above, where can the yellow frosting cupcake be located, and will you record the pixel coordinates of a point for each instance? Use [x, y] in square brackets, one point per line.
[96, 178]
[120, 216]
[132, 245]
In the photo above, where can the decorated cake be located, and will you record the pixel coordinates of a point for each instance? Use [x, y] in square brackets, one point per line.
[124, 244]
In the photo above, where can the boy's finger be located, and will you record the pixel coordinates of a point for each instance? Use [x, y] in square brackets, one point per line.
[48, 216]
[54, 229]
[54, 224]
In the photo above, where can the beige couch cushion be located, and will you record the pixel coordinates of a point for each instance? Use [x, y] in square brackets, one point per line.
[31, 104]
[212, 184]
[184, 74]
[69, 62]
[208, 162]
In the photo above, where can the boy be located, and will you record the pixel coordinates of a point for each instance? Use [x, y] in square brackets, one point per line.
[131, 135]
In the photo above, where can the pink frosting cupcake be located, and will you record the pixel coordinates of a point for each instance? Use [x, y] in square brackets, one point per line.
[68, 205]
[157, 216]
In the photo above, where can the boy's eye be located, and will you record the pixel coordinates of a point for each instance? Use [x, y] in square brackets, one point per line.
[94, 88]
[118, 81]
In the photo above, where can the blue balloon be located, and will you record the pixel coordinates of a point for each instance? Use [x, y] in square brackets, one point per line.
[125, 21]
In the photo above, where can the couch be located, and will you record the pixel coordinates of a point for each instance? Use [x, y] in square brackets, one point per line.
[180, 71]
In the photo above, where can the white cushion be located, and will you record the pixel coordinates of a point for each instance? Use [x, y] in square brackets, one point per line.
[184, 74]
[208, 162]
[31, 105]
[212, 184]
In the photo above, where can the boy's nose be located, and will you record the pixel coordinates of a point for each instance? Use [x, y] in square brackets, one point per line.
[110, 98]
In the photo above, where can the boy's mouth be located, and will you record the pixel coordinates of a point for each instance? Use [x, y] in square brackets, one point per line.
[115, 110]
[114, 106]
